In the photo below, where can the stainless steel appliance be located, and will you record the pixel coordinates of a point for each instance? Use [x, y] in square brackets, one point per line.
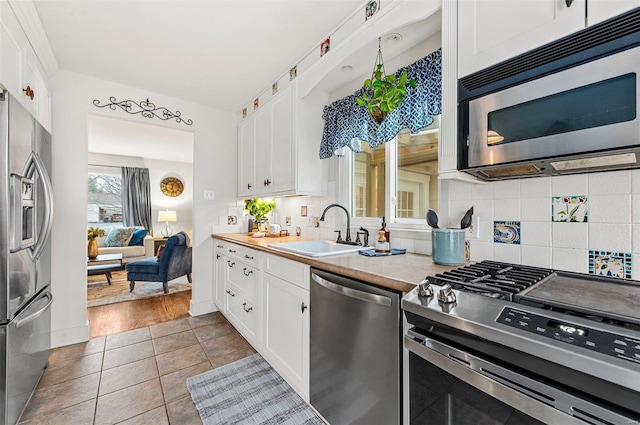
[517, 344]
[26, 214]
[568, 107]
[355, 341]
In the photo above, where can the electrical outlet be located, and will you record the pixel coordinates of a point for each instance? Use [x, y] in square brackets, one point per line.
[473, 231]
[209, 195]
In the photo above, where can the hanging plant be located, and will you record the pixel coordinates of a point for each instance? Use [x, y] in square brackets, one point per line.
[383, 93]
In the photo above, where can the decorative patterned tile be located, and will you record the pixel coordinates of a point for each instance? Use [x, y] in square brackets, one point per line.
[506, 232]
[371, 9]
[611, 264]
[467, 250]
[573, 209]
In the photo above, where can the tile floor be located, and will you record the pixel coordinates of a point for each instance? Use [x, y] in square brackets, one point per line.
[134, 377]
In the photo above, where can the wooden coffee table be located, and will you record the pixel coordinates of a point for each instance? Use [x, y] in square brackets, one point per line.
[104, 264]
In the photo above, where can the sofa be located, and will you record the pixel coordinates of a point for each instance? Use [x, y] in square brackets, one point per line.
[129, 253]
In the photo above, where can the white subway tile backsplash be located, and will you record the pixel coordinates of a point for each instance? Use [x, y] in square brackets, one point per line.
[535, 188]
[569, 235]
[483, 209]
[635, 208]
[486, 231]
[457, 210]
[571, 260]
[402, 243]
[535, 233]
[610, 209]
[422, 247]
[610, 237]
[537, 256]
[535, 209]
[481, 250]
[481, 191]
[575, 184]
[506, 209]
[507, 189]
[459, 191]
[610, 183]
[635, 181]
[636, 240]
[509, 253]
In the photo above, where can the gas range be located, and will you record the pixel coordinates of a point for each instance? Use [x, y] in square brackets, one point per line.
[575, 330]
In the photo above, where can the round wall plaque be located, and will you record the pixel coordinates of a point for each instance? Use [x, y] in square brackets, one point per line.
[171, 186]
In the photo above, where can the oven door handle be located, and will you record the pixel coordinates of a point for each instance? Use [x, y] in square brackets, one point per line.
[541, 401]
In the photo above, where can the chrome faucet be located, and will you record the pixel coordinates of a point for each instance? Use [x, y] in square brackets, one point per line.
[347, 239]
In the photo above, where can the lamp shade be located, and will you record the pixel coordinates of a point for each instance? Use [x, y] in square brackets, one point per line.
[167, 216]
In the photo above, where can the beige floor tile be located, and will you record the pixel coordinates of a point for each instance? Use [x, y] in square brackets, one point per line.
[207, 332]
[66, 370]
[120, 377]
[179, 359]
[79, 414]
[224, 345]
[174, 342]
[174, 385]
[183, 412]
[62, 395]
[156, 416]
[168, 328]
[129, 402]
[95, 345]
[127, 338]
[127, 354]
[206, 319]
[232, 357]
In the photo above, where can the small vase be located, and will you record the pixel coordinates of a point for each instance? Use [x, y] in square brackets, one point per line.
[378, 115]
[92, 248]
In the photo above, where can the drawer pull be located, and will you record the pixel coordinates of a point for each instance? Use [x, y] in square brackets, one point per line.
[230, 293]
[248, 257]
[303, 307]
[244, 305]
[230, 263]
[219, 246]
[232, 250]
[244, 270]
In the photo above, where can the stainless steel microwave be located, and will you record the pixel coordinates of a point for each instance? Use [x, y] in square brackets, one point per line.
[580, 117]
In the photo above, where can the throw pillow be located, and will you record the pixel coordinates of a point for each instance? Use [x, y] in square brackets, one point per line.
[119, 237]
[159, 255]
[138, 237]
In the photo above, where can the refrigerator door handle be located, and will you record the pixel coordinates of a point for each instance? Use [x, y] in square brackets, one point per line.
[24, 320]
[35, 164]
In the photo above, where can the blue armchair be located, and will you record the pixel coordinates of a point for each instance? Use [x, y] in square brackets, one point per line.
[175, 261]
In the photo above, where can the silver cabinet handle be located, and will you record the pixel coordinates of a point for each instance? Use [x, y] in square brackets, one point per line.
[231, 263]
[244, 271]
[230, 293]
[33, 316]
[244, 305]
[353, 293]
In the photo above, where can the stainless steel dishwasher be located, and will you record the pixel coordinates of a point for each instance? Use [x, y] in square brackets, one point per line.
[355, 367]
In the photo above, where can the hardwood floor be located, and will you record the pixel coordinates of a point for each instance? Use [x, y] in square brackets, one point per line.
[113, 318]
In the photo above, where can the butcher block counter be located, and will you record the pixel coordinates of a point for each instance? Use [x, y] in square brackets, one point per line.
[399, 272]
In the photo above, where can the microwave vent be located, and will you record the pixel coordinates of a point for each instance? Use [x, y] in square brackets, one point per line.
[592, 37]
[511, 171]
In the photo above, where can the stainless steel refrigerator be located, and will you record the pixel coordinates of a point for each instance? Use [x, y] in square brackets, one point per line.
[26, 215]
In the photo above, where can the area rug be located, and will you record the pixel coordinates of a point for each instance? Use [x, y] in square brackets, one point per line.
[99, 292]
[248, 392]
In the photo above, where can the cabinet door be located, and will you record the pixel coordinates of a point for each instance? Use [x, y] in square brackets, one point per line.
[219, 277]
[599, 10]
[246, 158]
[263, 148]
[287, 331]
[490, 31]
[11, 63]
[280, 173]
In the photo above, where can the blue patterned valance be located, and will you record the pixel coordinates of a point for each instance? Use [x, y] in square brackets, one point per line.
[347, 124]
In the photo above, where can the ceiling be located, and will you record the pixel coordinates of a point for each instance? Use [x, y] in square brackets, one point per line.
[213, 52]
[119, 137]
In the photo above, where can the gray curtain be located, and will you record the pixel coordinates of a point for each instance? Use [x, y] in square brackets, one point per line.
[136, 197]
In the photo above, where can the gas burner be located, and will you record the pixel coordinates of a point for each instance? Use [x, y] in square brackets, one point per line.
[491, 278]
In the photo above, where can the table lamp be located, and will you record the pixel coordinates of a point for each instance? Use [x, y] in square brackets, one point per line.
[167, 216]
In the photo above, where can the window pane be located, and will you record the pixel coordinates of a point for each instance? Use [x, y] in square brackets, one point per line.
[369, 182]
[105, 201]
[417, 172]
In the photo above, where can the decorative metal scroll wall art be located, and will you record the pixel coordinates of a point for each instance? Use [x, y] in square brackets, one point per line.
[144, 108]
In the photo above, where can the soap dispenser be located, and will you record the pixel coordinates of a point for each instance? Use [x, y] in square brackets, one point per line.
[384, 229]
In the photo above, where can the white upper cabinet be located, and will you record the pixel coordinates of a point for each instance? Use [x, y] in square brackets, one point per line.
[490, 31]
[278, 147]
[600, 10]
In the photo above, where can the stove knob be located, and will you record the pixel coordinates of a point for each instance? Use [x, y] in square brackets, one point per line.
[425, 289]
[446, 295]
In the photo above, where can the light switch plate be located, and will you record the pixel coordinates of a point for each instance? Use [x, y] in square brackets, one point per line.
[209, 195]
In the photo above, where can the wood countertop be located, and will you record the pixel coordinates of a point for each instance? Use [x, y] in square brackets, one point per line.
[399, 272]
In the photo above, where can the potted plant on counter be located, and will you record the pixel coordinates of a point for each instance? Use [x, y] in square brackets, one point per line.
[92, 244]
[258, 209]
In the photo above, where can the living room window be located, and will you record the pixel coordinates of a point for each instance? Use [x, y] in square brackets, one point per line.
[104, 207]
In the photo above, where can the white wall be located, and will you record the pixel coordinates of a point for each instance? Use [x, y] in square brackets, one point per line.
[214, 168]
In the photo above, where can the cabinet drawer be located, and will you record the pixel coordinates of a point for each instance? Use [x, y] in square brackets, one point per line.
[219, 246]
[291, 271]
[243, 278]
[243, 314]
[247, 255]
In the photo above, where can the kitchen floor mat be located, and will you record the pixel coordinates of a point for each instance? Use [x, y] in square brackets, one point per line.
[248, 392]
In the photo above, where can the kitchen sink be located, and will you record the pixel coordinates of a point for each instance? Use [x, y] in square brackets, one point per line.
[317, 248]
